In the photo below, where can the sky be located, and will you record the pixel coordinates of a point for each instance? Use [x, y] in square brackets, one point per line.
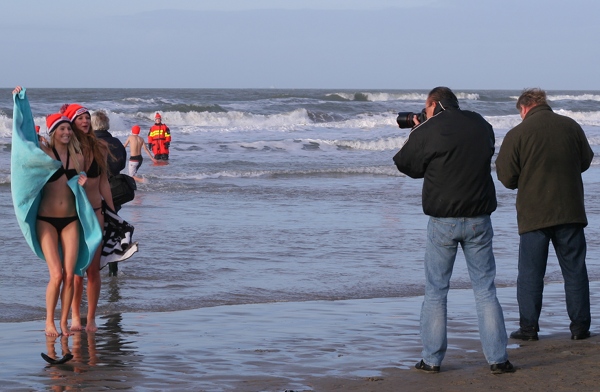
[338, 44]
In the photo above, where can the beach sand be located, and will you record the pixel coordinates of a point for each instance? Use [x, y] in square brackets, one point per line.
[350, 345]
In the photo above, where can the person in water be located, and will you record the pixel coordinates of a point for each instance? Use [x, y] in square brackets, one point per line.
[136, 143]
[159, 139]
[95, 153]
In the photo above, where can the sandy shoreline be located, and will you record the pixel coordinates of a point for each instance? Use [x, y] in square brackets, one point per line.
[355, 345]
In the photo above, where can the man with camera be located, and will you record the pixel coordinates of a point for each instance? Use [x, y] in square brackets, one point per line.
[451, 149]
[543, 157]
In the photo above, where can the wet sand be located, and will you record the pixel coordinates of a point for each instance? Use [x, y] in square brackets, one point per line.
[354, 345]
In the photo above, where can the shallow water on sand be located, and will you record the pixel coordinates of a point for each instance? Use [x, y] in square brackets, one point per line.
[222, 348]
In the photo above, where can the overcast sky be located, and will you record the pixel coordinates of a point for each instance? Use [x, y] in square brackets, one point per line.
[365, 44]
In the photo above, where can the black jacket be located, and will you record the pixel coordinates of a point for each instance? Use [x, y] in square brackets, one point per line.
[452, 152]
[117, 162]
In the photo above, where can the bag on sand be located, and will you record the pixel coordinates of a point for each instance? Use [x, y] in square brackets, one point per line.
[123, 188]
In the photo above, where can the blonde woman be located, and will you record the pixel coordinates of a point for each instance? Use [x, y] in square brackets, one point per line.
[49, 206]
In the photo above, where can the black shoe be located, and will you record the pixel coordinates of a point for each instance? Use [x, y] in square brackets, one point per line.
[425, 367]
[581, 336]
[522, 335]
[499, 368]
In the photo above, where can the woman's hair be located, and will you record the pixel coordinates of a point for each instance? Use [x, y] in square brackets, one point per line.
[91, 145]
[74, 148]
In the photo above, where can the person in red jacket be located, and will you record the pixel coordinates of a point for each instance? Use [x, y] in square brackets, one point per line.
[159, 139]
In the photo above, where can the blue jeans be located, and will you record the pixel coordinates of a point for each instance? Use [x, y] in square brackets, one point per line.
[475, 237]
[570, 246]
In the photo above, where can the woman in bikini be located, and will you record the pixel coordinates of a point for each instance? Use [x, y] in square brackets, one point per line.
[57, 220]
[95, 153]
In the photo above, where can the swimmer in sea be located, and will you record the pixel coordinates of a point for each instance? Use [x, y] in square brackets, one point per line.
[135, 143]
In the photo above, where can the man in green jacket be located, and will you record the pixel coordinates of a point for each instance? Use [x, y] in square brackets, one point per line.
[543, 157]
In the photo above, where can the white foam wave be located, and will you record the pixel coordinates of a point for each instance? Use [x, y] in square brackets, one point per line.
[141, 100]
[583, 118]
[6, 124]
[468, 96]
[385, 96]
[235, 120]
[504, 122]
[374, 170]
[570, 97]
[380, 96]
[385, 144]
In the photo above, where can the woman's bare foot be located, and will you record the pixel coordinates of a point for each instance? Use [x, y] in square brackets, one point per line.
[64, 328]
[91, 326]
[76, 324]
[51, 330]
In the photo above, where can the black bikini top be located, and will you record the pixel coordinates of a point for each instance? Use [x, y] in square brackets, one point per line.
[70, 173]
[94, 170]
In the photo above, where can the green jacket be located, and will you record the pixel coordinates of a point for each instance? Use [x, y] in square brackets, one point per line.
[543, 157]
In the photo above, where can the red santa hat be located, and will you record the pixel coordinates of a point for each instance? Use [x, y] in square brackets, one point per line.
[73, 110]
[157, 116]
[54, 120]
[135, 129]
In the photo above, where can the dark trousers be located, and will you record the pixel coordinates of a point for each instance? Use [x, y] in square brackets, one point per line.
[570, 247]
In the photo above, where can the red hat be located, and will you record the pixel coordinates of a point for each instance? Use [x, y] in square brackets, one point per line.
[135, 129]
[73, 110]
[157, 115]
[37, 129]
[54, 120]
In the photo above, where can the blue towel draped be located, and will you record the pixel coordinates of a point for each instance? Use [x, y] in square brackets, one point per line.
[30, 169]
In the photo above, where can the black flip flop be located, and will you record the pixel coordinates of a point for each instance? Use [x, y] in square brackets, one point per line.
[53, 361]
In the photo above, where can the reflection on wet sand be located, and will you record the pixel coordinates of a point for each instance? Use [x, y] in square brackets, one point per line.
[97, 359]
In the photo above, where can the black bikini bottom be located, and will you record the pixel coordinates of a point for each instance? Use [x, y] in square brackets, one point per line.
[58, 223]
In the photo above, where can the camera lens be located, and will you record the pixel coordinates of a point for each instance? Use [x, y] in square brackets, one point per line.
[405, 120]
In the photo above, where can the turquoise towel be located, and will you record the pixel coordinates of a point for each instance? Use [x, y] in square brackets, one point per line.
[30, 169]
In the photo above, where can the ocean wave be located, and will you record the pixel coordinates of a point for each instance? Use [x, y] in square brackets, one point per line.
[385, 144]
[236, 120]
[583, 118]
[571, 97]
[385, 96]
[349, 171]
[314, 144]
[377, 96]
[504, 122]
[510, 121]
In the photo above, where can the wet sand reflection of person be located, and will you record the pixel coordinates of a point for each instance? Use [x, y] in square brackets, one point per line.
[108, 349]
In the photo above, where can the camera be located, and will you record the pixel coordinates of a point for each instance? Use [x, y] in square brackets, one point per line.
[405, 119]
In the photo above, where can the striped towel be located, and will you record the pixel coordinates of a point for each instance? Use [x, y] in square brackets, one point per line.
[118, 244]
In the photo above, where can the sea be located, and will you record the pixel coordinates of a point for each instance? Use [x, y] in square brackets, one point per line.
[275, 195]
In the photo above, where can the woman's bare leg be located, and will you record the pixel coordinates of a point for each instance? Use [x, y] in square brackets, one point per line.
[94, 282]
[70, 245]
[93, 291]
[48, 239]
[76, 304]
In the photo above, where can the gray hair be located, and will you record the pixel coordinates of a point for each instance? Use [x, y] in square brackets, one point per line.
[531, 97]
[100, 121]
